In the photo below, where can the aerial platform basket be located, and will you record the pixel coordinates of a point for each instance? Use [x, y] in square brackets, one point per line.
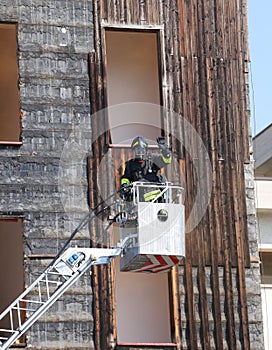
[153, 231]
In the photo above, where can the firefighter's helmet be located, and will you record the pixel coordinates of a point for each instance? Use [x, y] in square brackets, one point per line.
[139, 146]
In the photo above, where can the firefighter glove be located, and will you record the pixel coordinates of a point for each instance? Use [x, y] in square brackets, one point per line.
[125, 190]
[163, 147]
[161, 141]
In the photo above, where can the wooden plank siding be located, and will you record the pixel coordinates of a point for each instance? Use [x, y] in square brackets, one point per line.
[204, 79]
[213, 36]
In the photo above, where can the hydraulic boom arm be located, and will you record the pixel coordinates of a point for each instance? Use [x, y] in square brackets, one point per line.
[49, 287]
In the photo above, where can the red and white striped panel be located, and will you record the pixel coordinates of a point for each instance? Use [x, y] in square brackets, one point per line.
[158, 263]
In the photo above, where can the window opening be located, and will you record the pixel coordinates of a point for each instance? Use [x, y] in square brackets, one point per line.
[133, 83]
[10, 126]
[143, 301]
[266, 292]
[11, 261]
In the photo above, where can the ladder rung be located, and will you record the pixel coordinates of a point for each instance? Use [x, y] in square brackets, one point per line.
[48, 281]
[7, 330]
[57, 273]
[31, 301]
[23, 309]
[54, 273]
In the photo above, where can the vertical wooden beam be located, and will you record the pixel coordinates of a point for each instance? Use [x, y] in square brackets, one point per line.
[175, 307]
[104, 9]
[199, 162]
[215, 223]
[181, 27]
[189, 287]
[226, 194]
[241, 262]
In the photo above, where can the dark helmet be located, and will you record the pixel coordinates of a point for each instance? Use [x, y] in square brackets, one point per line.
[139, 146]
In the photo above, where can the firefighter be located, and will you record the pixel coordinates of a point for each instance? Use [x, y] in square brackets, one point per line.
[145, 167]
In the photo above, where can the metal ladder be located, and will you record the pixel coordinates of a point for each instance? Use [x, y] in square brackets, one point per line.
[48, 287]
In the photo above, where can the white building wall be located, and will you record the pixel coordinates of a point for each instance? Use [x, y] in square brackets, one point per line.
[263, 196]
[267, 314]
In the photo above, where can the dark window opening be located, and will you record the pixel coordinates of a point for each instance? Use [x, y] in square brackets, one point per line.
[266, 267]
[10, 125]
[12, 266]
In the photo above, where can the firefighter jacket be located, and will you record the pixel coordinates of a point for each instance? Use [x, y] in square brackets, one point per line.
[145, 169]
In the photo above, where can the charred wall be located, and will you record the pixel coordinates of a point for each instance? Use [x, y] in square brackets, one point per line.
[61, 82]
[54, 39]
[206, 69]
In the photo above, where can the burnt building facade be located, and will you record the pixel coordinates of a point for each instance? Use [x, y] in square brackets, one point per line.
[79, 80]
